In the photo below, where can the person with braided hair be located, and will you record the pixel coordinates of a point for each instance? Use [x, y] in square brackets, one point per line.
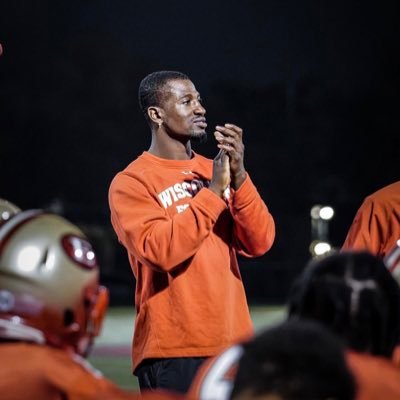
[357, 298]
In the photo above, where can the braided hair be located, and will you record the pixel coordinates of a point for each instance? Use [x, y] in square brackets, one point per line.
[354, 295]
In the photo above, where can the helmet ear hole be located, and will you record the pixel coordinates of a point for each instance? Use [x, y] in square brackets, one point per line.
[69, 317]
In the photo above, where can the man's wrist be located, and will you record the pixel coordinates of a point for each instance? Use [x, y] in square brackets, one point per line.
[217, 190]
[237, 179]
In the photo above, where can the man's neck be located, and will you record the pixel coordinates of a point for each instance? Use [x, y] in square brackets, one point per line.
[171, 150]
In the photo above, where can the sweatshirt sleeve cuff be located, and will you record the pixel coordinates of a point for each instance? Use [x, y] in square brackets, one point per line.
[213, 205]
[245, 194]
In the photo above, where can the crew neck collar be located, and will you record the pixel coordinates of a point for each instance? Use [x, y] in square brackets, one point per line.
[170, 163]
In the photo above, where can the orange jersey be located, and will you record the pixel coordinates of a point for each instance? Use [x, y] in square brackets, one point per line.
[31, 371]
[182, 241]
[376, 377]
[376, 226]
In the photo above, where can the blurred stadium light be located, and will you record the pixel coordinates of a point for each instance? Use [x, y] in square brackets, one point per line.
[321, 215]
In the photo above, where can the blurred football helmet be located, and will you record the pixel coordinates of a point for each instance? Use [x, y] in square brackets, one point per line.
[7, 210]
[49, 283]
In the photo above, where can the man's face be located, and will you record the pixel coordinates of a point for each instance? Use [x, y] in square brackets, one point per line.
[183, 116]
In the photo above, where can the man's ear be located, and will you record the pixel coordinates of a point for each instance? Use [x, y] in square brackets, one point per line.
[155, 114]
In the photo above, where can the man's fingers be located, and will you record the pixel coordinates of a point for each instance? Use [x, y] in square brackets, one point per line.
[234, 127]
[220, 154]
[225, 139]
[229, 144]
[230, 130]
[227, 149]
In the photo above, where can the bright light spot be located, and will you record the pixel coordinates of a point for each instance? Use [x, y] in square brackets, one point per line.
[322, 248]
[90, 255]
[78, 253]
[28, 258]
[326, 212]
[322, 212]
[5, 215]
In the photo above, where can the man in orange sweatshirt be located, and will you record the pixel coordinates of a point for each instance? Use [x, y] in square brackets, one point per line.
[182, 219]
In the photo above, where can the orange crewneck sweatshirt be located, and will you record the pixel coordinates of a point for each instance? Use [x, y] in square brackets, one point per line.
[182, 240]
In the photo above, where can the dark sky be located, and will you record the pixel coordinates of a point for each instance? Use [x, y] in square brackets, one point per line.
[314, 86]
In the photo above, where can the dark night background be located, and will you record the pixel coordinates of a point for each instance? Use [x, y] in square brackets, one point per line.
[313, 84]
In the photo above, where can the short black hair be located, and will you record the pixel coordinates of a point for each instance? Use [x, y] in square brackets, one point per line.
[151, 88]
[295, 360]
[354, 295]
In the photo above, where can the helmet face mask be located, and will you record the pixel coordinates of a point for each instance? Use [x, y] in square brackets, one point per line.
[50, 272]
[93, 319]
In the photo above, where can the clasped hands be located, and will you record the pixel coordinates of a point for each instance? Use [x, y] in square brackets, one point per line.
[228, 165]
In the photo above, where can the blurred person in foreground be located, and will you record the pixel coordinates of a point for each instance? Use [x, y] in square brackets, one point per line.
[182, 219]
[357, 298]
[376, 225]
[51, 309]
[295, 360]
[354, 295]
[291, 360]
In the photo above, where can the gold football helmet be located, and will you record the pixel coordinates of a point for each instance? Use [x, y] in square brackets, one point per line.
[49, 283]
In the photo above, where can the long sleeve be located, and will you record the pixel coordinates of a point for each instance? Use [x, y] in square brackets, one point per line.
[376, 226]
[366, 231]
[254, 226]
[148, 232]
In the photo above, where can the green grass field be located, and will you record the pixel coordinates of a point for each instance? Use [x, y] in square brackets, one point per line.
[111, 353]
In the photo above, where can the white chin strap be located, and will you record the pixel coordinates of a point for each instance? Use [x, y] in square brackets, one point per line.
[13, 329]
